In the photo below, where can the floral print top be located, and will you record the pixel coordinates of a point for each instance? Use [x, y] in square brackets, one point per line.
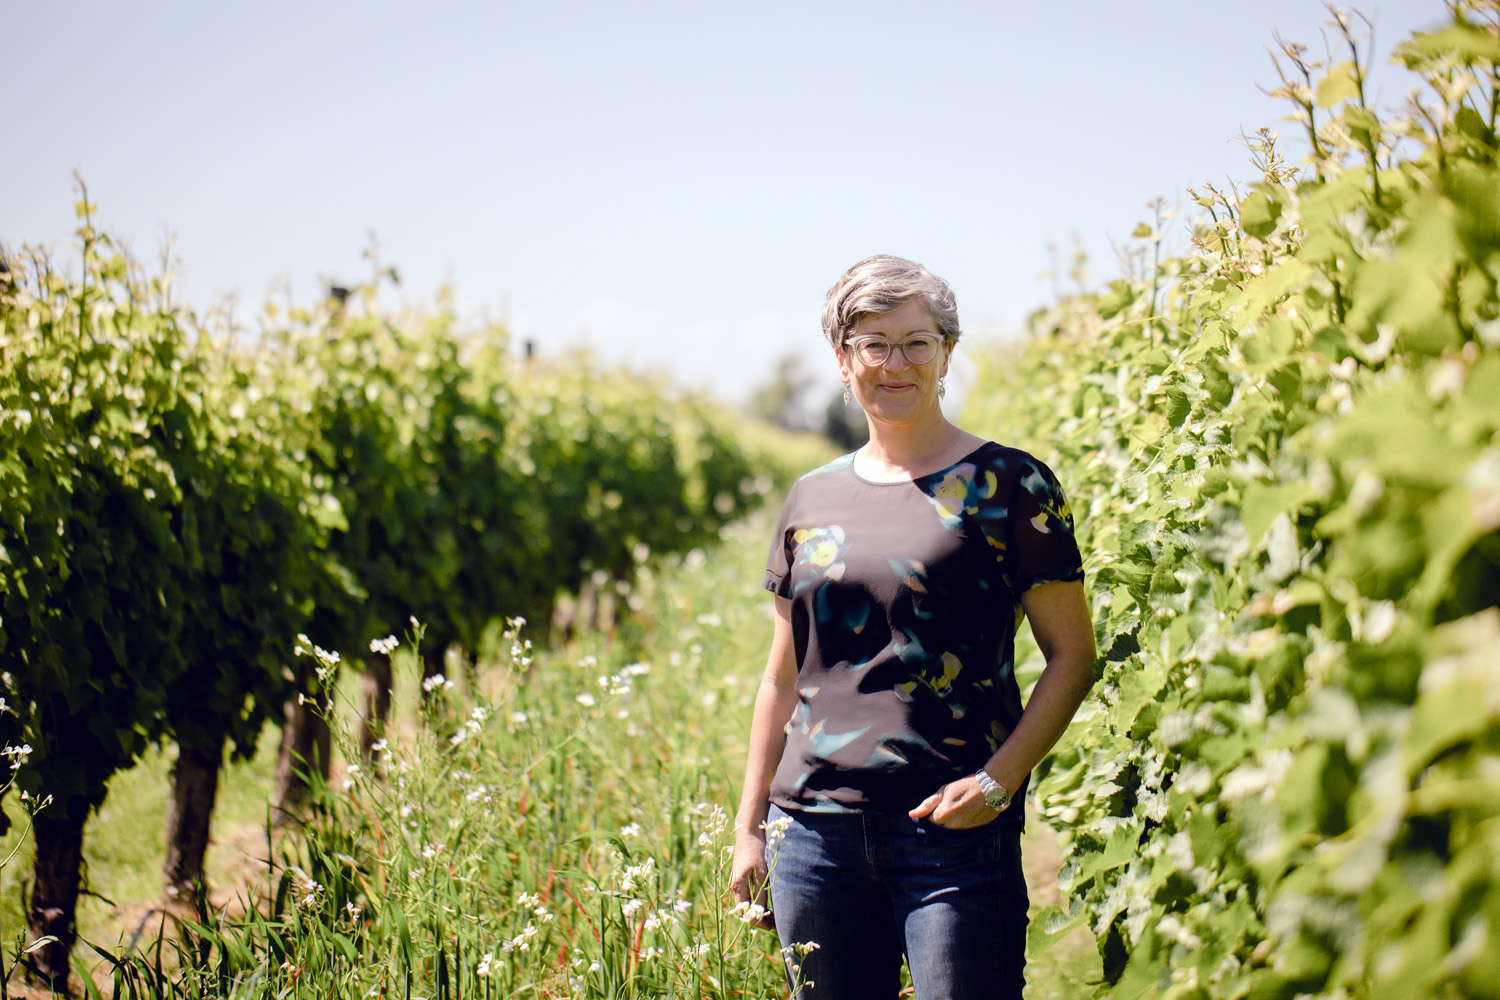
[905, 603]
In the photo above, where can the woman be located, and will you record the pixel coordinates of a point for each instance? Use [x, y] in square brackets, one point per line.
[889, 752]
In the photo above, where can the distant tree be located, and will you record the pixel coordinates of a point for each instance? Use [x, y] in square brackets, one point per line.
[780, 400]
[783, 401]
[845, 424]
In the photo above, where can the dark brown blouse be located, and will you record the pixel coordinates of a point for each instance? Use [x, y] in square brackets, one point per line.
[905, 603]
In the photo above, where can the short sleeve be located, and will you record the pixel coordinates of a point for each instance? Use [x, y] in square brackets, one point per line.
[779, 559]
[1043, 547]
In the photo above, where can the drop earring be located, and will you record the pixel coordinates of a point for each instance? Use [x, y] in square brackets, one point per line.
[942, 386]
[846, 394]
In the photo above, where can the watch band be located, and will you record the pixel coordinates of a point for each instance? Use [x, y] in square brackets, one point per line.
[996, 795]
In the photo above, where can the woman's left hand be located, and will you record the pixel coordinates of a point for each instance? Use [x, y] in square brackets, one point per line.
[958, 805]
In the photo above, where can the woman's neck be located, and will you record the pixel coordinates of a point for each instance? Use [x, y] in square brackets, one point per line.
[903, 451]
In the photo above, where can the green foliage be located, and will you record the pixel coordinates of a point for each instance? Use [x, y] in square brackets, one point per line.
[1285, 452]
[403, 446]
[178, 510]
[174, 502]
[458, 486]
[143, 535]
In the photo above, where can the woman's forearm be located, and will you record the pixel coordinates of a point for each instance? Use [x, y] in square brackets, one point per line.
[773, 706]
[774, 703]
[1058, 693]
[1059, 618]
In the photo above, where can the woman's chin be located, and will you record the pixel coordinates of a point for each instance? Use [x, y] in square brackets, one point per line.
[897, 404]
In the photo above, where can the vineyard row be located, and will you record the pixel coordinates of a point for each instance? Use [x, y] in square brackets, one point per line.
[177, 509]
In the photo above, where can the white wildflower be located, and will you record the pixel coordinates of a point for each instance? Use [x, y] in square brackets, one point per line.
[641, 872]
[522, 940]
[309, 890]
[17, 755]
[776, 826]
[747, 911]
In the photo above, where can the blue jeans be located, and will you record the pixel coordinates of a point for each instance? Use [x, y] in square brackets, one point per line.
[868, 888]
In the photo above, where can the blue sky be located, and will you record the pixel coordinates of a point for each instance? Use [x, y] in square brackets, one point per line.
[673, 185]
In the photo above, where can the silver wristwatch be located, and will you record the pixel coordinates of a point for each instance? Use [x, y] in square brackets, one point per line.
[996, 796]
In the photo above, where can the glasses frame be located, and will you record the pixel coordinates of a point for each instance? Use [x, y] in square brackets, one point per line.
[851, 343]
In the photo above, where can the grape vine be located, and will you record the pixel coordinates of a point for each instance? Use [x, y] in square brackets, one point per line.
[1285, 448]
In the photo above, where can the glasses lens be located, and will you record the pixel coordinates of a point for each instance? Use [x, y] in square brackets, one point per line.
[872, 350]
[919, 350]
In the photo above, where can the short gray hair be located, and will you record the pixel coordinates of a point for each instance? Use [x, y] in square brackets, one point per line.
[882, 284]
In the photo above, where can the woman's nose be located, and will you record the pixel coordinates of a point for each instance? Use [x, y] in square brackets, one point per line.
[896, 359]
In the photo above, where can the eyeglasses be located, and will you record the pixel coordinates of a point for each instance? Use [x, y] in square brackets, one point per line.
[918, 349]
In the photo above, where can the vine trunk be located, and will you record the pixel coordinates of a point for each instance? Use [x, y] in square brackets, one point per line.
[195, 786]
[57, 874]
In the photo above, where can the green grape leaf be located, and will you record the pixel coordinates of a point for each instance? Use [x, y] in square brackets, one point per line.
[1261, 503]
[1338, 84]
[1258, 214]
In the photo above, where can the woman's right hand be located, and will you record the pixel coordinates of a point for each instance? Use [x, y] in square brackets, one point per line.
[749, 879]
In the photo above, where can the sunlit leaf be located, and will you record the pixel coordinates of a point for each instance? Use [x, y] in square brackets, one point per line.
[1258, 214]
[1338, 84]
[1262, 503]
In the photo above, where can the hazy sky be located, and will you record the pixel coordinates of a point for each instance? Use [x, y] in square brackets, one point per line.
[674, 184]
